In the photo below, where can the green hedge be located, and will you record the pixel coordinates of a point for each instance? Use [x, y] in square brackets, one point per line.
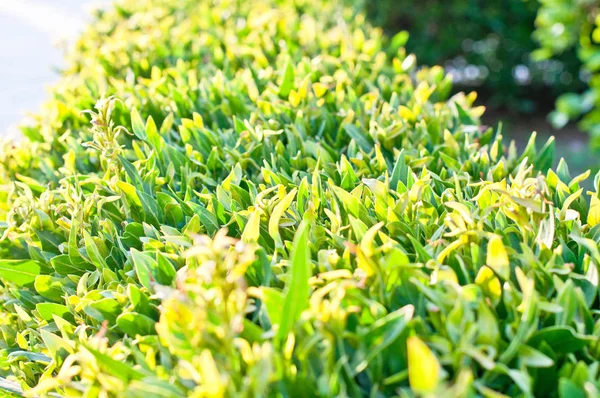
[273, 199]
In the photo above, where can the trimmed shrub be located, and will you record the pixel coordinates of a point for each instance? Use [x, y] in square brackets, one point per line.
[271, 199]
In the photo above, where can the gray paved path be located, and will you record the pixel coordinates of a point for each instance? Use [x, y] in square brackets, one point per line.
[29, 58]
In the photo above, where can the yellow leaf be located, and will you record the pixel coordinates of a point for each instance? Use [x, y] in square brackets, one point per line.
[497, 258]
[129, 191]
[212, 384]
[277, 213]
[451, 144]
[527, 287]
[489, 284]
[423, 366]
[444, 274]
[320, 89]
[294, 98]
[198, 121]
[303, 90]
[423, 92]
[187, 123]
[594, 214]
[252, 229]
[366, 243]
[22, 342]
[406, 114]
[233, 177]
[450, 248]
[463, 210]
[365, 263]
[489, 393]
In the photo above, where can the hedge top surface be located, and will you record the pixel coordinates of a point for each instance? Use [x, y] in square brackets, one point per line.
[271, 199]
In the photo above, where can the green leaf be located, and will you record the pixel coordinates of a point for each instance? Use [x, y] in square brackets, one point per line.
[545, 157]
[63, 265]
[400, 172]
[106, 309]
[208, 219]
[138, 125]
[274, 302]
[381, 335]
[568, 389]
[92, 251]
[166, 270]
[533, 358]
[463, 116]
[298, 290]
[50, 287]
[154, 138]
[351, 204]
[399, 40]
[119, 369]
[21, 272]
[364, 141]
[135, 324]
[58, 347]
[145, 268]
[141, 302]
[48, 310]
[287, 82]
[561, 339]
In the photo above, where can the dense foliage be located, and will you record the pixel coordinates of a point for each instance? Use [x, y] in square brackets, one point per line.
[270, 198]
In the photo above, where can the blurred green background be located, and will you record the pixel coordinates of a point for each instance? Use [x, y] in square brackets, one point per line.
[486, 45]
